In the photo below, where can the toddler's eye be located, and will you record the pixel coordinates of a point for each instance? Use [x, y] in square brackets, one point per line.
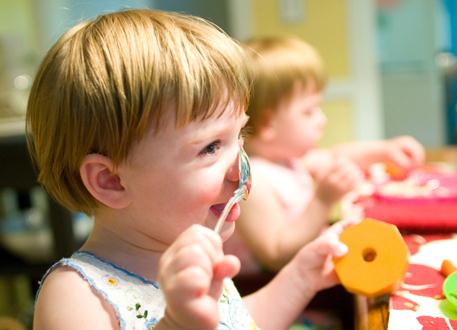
[211, 148]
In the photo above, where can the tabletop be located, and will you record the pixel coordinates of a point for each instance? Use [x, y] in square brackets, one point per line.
[418, 304]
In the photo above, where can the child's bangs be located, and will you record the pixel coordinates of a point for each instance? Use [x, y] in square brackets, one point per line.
[219, 92]
[215, 77]
[183, 65]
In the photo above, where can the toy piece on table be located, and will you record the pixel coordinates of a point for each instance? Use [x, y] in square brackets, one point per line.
[450, 283]
[380, 173]
[447, 267]
[376, 261]
[396, 172]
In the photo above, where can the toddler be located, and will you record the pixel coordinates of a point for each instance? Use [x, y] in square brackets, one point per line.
[135, 118]
[296, 183]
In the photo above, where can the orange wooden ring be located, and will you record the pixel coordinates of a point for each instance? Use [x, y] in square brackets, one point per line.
[376, 261]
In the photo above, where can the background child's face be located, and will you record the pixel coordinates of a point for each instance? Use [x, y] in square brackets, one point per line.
[299, 122]
[184, 176]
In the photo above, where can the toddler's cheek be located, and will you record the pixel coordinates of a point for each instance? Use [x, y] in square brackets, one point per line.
[210, 187]
[210, 193]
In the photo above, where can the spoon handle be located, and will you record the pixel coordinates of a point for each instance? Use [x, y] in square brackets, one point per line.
[234, 199]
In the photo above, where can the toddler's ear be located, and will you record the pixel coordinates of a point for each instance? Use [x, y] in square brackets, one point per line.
[97, 174]
[267, 127]
[267, 130]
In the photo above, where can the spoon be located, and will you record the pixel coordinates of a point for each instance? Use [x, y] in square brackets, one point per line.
[242, 192]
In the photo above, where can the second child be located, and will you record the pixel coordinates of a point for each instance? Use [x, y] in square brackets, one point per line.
[296, 183]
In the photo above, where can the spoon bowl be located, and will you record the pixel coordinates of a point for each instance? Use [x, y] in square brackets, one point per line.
[242, 192]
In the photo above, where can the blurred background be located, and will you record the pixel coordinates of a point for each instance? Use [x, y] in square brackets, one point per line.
[392, 70]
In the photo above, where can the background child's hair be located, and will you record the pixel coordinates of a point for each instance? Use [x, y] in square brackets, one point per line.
[106, 81]
[276, 65]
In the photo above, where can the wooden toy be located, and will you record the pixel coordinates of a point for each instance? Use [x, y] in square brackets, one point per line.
[376, 261]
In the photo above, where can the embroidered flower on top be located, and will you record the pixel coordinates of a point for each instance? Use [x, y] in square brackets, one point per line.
[111, 281]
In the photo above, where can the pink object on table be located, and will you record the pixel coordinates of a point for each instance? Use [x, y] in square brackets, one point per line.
[425, 212]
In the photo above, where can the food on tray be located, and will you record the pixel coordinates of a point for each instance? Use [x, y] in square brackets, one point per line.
[413, 188]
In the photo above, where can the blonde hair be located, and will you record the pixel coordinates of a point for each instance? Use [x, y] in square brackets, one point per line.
[276, 65]
[106, 81]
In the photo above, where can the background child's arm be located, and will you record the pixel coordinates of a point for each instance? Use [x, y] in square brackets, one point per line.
[191, 274]
[404, 152]
[278, 304]
[270, 236]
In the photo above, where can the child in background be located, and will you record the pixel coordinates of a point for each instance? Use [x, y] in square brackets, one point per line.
[135, 118]
[295, 183]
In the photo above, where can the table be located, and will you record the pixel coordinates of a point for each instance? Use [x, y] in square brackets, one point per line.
[373, 313]
[419, 302]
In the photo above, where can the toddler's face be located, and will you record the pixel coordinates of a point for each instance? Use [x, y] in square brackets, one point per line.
[300, 122]
[184, 176]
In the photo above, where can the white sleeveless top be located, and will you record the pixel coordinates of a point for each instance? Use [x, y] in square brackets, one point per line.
[139, 303]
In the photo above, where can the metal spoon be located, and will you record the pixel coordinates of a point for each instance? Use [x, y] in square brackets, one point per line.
[242, 192]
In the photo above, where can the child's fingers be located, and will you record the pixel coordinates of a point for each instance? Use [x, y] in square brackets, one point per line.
[315, 258]
[201, 234]
[412, 148]
[193, 283]
[338, 227]
[329, 242]
[226, 268]
[209, 243]
[195, 266]
[190, 283]
[229, 266]
[187, 293]
[191, 255]
[405, 152]
[333, 246]
[400, 159]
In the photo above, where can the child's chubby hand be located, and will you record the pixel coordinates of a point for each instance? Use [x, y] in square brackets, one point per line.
[191, 274]
[403, 152]
[314, 260]
[337, 179]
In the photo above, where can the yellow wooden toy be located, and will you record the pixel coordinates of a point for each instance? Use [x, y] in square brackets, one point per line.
[376, 261]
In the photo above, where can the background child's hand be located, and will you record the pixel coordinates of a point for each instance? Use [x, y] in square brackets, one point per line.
[191, 274]
[404, 152]
[337, 179]
[315, 259]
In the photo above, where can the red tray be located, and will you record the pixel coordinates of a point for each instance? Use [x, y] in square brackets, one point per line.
[419, 212]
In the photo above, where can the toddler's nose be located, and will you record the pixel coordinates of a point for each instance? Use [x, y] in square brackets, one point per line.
[233, 173]
[323, 118]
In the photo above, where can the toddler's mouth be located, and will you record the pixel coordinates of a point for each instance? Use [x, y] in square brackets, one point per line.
[234, 213]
